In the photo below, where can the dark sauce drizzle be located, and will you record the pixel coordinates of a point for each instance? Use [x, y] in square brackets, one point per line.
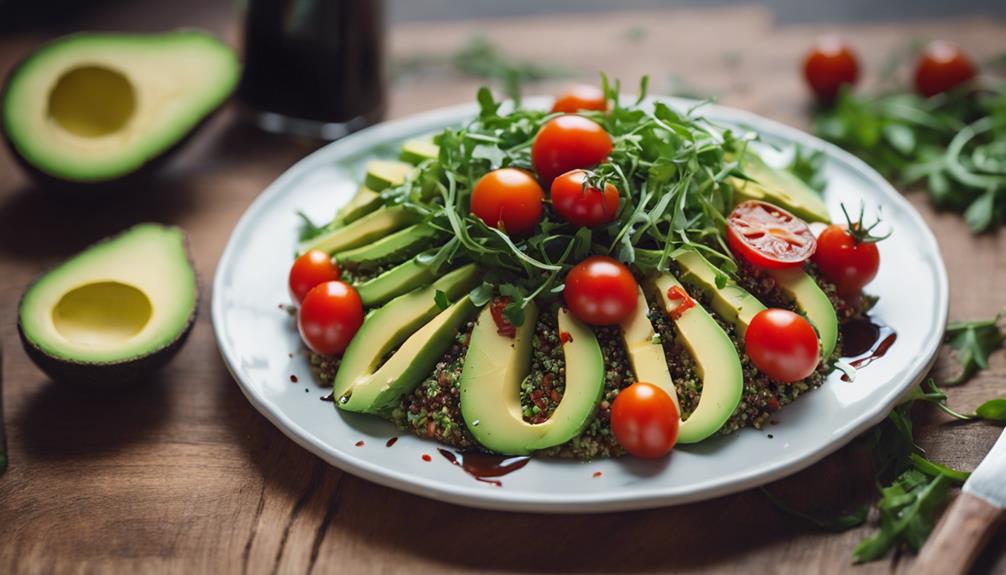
[391, 442]
[484, 467]
[865, 340]
[329, 397]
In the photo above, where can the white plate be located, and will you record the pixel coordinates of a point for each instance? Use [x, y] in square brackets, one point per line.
[255, 338]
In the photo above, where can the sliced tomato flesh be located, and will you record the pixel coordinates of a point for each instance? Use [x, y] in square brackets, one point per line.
[768, 236]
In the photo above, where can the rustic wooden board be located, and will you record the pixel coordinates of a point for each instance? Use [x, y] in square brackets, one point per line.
[182, 475]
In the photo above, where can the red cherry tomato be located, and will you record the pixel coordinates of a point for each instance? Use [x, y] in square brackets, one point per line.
[942, 67]
[782, 344]
[566, 143]
[508, 199]
[329, 317]
[309, 270]
[768, 236]
[645, 420]
[580, 97]
[829, 65]
[849, 264]
[600, 291]
[583, 205]
[503, 326]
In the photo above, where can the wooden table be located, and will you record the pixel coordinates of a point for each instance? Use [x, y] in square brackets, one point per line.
[183, 475]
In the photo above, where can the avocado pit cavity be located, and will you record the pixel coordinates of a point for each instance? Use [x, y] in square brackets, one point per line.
[92, 101]
[102, 313]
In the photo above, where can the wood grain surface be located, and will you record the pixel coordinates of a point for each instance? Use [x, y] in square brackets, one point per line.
[182, 475]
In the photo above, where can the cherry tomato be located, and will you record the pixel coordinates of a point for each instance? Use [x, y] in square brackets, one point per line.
[848, 263]
[600, 291]
[508, 199]
[329, 317]
[309, 270]
[829, 65]
[645, 420]
[942, 67]
[768, 236]
[566, 143]
[503, 326]
[583, 205]
[782, 344]
[580, 97]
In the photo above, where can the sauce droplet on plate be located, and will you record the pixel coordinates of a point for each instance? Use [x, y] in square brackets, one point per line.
[391, 442]
[483, 467]
[864, 341]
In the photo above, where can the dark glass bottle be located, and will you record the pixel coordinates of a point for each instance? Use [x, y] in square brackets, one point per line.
[314, 67]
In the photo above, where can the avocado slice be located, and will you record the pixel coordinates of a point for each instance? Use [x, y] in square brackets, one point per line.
[419, 150]
[389, 326]
[411, 363]
[403, 243]
[94, 108]
[731, 302]
[813, 302]
[494, 368]
[398, 280]
[373, 226]
[778, 187]
[716, 362]
[381, 174]
[646, 353]
[114, 312]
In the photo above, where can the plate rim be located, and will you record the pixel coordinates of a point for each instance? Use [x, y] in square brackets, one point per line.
[558, 502]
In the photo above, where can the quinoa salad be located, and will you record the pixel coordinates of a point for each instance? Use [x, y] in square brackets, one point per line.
[596, 280]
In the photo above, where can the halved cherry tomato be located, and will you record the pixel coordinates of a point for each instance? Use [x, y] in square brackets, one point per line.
[829, 65]
[848, 263]
[566, 143]
[645, 420]
[782, 344]
[329, 317]
[580, 97]
[600, 291]
[508, 199]
[942, 67]
[309, 270]
[583, 205]
[768, 236]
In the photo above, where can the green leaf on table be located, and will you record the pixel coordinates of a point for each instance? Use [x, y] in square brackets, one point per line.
[972, 342]
[900, 137]
[992, 410]
[981, 212]
[908, 511]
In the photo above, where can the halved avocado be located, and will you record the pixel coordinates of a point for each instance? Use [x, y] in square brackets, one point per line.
[400, 279]
[94, 108]
[412, 362]
[779, 187]
[389, 326]
[114, 312]
[419, 150]
[403, 243]
[646, 353]
[371, 227]
[813, 302]
[716, 362]
[494, 368]
[731, 302]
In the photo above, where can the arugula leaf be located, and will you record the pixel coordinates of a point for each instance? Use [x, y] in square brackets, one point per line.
[808, 166]
[973, 341]
[992, 410]
[908, 510]
[440, 298]
[308, 229]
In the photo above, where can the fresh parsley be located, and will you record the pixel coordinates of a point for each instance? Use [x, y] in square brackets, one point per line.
[972, 342]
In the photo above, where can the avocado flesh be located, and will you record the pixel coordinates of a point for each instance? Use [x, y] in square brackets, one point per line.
[371, 227]
[381, 174]
[731, 302]
[716, 363]
[411, 363]
[778, 187]
[120, 306]
[813, 302]
[364, 202]
[419, 150]
[398, 280]
[390, 325]
[646, 353]
[97, 107]
[494, 368]
[403, 243]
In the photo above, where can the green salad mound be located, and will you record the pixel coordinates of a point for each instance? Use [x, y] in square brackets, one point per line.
[467, 339]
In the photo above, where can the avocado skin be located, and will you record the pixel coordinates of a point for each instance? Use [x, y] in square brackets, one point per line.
[94, 188]
[113, 374]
